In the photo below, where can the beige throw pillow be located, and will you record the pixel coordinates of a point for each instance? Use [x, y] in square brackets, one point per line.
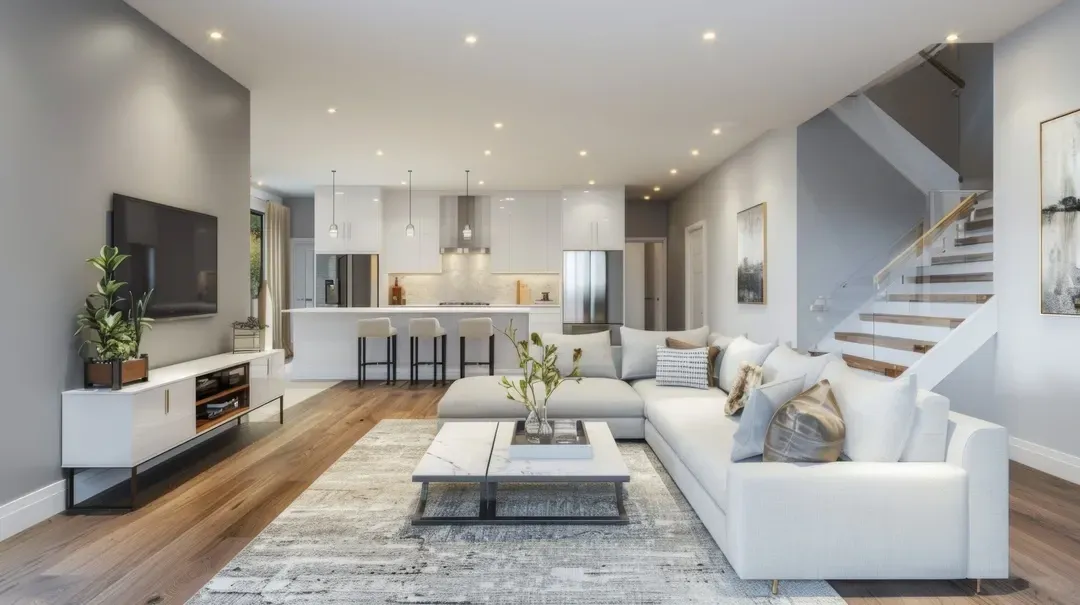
[748, 379]
[673, 343]
[809, 428]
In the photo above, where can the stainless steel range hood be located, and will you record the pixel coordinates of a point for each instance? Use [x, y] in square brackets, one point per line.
[464, 225]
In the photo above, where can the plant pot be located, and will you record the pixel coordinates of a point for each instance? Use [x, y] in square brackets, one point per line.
[116, 374]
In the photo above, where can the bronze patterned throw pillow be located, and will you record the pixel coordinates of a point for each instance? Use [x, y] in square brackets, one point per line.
[809, 428]
[714, 352]
[748, 379]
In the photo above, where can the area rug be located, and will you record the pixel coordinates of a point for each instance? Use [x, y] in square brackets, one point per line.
[348, 539]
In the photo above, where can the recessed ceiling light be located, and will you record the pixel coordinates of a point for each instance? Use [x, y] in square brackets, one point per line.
[648, 197]
[952, 38]
[481, 182]
[339, 193]
[216, 35]
[715, 131]
[656, 188]
[695, 152]
[498, 125]
[375, 199]
[583, 153]
[674, 171]
[378, 152]
[592, 182]
[332, 110]
[708, 36]
[403, 183]
[470, 39]
[487, 152]
[259, 183]
[586, 191]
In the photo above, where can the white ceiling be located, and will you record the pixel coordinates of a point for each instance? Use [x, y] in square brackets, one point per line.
[631, 81]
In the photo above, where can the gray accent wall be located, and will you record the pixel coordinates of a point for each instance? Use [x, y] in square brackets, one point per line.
[301, 216]
[96, 99]
[646, 218]
[853, 205]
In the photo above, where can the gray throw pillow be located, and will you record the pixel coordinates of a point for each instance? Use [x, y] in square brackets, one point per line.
[596, 358]
[749, 439]
[809, 428]
[639, 348]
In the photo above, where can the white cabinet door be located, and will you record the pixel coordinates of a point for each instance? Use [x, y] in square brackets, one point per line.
[578, 221]
[325, 214]
[502, 236]
[529, 227]
[426, 222]
[554, 249]
[416, 254]
[162, 418]
[360, 209]
[265, 379]
[611, 219]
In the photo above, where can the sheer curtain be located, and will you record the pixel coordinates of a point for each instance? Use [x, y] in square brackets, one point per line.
[277, 275]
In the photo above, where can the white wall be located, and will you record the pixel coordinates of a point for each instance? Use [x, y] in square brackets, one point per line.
[764, 171]
[1038, 387]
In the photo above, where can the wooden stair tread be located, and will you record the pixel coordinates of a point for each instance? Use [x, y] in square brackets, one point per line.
[884, 368]
[913, 320]
[955, 259]
[952, 278]
[979, 224]
[976, 299]
[974, 240]
[889, 342]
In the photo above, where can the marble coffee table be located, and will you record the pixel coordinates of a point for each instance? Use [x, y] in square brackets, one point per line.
[478, 452]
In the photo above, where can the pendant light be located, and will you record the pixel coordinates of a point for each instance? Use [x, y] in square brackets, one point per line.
[333, 202]
[409, 229]
[466, 233]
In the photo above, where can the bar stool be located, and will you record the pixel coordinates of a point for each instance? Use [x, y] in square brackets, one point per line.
[477, 328]
[426, 327]
[376, 328]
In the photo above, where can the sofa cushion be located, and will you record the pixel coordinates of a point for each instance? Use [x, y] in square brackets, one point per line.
[741, 349]
[639, 348]
[654, 395]
[783, 363]
[878, 415]
[596, 360]
[483, 397]
[809, 428]
[701, 436]
[930, 432]
[749, 440]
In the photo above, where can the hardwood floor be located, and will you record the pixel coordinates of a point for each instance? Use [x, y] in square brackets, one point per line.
[220, 495]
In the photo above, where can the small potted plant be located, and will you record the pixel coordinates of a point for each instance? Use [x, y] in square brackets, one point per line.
[543, 371]
[113, 338]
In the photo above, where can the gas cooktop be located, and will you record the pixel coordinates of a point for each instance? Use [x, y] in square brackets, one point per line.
[464, 304]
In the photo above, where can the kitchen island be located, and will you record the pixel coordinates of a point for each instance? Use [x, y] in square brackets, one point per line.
[325, 343]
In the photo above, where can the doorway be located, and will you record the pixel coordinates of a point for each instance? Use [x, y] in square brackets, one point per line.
[646, 283]
[697, 286]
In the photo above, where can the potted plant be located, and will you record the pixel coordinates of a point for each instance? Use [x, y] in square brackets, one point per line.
[113, 338]
[543, 371]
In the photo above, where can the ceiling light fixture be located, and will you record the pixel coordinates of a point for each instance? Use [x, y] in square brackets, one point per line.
[583, 153]
[716, 131]
[378, 152]
[481, 182]
[466, 232]
[402, 182]
[657, 188]
[591, 182]
[333, 204]
[470, 39]
[674, 171]
[648, 197]
[708, 36]
[952, 38]
[487, 152]
[409, 229]
[216, 35]
[331, 110]
[694, 152]
[498, 125]
[259, 183]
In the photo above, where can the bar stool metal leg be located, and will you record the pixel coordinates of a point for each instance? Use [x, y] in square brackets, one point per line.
[444, 359]
[412, 360]
[388, 361]
[461, 358]
[361, 359]
[491, 355]
[435, 361]
[394, 367]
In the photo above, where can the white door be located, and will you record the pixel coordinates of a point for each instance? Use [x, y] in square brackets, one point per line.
[696, 284]
[655, 285]
[634, 284]
[302, 267]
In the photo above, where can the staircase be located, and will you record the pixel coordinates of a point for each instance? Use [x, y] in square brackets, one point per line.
[929, 298]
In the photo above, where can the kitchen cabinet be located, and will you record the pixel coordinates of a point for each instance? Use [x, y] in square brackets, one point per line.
[594, 219]
[358, 214]
[526, 232]
[416, 254]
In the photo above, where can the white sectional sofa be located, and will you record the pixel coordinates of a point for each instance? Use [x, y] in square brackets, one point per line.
[941, 512]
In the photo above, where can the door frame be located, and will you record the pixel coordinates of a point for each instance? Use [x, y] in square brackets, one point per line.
[293, 261]
[664, 293]
[688, 283]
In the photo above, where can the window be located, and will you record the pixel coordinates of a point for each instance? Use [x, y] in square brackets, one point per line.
[256, 253]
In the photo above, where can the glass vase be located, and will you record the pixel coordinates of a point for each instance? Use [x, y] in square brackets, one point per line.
[537, 427]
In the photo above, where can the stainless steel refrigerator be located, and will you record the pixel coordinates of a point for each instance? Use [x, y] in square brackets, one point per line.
[593, 292]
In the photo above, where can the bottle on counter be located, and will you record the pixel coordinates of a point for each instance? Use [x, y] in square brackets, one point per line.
[397, 293]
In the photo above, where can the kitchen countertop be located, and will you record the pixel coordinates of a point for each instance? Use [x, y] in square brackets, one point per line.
[436, 310]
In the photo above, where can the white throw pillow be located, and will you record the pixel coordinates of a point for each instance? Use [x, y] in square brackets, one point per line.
[721, 342]
[596, 359]
[741, 349]
[784, 363]
[749, 439]
[878, 415]
[639, 348]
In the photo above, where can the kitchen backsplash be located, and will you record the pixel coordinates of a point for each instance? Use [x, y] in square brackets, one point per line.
[467, 277]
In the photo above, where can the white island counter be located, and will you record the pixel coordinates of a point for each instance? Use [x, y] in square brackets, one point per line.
[325, 344]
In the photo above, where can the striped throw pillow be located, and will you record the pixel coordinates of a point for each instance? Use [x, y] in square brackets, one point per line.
[682, 367]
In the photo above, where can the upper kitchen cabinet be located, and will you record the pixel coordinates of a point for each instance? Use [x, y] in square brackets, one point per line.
[357, 211]
[526, 232]
[416, 254]
[594, 219]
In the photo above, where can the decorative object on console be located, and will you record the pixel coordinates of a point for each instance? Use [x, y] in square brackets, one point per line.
[714, 352]
[879, 414]
[639, 348]
[544, 371]
[741, 349]
[761, 406]
[751, 257]
[749, 378]
[115, 360]
[1060, 152]
[248, 335]
[682, 367]
[809, 428]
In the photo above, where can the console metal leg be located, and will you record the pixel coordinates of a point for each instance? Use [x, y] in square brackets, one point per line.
[134, 485]
[69, 495]
[461, 357]
[281, 410]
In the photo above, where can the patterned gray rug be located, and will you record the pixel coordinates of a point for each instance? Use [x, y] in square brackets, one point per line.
[347, 539]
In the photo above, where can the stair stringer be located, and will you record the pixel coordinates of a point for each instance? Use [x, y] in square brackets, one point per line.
[948, 354]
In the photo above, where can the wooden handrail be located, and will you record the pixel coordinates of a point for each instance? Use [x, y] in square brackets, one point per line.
[917, 246]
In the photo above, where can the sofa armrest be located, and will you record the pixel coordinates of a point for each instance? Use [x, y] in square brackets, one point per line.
[847, 520]
[982, 450]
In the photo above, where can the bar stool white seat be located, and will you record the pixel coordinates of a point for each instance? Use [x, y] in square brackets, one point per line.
[378, 327]
[477, 328]
[427, 327]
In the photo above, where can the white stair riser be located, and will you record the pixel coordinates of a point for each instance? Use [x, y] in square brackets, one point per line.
[955, 268]
[927, 309]
[904, 358]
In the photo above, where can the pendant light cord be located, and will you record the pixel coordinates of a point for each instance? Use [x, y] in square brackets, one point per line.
[410, 197]
[466, 183]
[333, 198]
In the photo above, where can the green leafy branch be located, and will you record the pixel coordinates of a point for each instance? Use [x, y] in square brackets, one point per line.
[543, 371]
[104, 328]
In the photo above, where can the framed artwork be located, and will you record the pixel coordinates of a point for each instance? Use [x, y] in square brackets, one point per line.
[1059, 234]
[752, 261]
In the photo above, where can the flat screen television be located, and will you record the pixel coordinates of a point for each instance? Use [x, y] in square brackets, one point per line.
[173, 251]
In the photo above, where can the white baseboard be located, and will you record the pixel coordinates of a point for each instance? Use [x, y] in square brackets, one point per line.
[1050, 461]
[31, 509]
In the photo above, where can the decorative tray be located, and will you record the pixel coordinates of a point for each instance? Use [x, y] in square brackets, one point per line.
[571, 442]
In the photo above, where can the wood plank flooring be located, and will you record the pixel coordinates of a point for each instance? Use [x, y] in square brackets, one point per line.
[220, 495]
